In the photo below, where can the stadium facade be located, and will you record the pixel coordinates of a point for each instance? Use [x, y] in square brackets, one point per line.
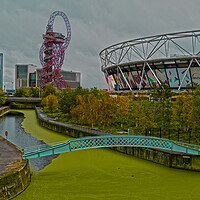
[141, 63]
[27, 75]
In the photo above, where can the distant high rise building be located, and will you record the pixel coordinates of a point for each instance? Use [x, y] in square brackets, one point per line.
[27, 76]
[1, 70]
[23, 75]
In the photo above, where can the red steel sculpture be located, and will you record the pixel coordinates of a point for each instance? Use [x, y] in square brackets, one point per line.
[52, 53]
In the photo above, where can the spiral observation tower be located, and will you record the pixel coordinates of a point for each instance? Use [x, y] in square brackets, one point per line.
[52, 53]
[141, 63]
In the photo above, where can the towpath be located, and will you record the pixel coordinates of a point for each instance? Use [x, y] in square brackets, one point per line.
[10, 156]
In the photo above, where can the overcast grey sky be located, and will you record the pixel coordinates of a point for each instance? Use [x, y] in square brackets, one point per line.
[95, 25]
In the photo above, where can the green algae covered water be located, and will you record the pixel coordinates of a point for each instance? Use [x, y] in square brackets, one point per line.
[98, 174]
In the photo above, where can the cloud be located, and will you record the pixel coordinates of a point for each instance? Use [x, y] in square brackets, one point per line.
[95, 25]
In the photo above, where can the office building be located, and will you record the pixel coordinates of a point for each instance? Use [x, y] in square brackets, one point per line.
[27, 76]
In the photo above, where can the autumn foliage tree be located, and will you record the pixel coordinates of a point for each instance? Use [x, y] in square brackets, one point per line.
[50, 103]
[107, 111]
[87, 110]
[122, 111]
[183, 114]
[79, 113]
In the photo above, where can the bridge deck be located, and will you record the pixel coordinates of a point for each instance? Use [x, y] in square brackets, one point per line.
[105, 140]
[110, 141]
[23, 99]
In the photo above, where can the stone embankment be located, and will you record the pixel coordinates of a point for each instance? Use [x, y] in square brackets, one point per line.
[14, 171]
[4, 109]
[167, 158]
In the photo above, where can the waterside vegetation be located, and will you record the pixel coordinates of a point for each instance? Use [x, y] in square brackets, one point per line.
[132, 113]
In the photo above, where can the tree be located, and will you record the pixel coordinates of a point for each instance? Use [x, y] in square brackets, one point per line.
[35, 92]
[99, 94]
[93, 105]
[2, 97]
[107, 111]
[80, 91]
[50, 103]
[122, 112]
[197, 103]
[161, 93]
[79, 112]
[67, 100]
[183, 113]
[22, 92]
[162, 114]
[141, 115]
[87, 110]
[49, 89]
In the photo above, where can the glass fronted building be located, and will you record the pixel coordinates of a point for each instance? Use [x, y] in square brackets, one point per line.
[72, 78]
[27, 76]
[24, 76]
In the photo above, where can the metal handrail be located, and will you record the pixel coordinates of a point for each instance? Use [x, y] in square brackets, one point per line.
[110, 141]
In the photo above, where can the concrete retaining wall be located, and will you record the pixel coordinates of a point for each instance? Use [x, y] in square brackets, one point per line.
[167, 158]
[4, 109]
[14, 105]
[13, 183]
[61, 127]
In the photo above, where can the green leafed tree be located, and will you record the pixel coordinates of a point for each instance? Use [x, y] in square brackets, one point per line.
[2, 97]
[67, 100]
[50, 103]
[49, 89]
[23, 92]
[161, 92]
[36, 92]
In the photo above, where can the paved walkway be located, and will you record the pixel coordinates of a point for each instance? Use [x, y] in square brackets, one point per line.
[10, 156]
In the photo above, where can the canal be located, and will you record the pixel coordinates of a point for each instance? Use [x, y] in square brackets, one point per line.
[98, 174]
[16, 134]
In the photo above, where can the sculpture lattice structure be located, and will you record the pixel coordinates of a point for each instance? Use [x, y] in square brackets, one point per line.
[52, 53]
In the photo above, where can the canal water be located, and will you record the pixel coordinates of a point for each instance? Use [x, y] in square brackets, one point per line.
[97, 174]
[17, 135]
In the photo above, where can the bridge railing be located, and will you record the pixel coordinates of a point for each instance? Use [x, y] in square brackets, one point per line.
[110, 141]
[42, 146]
[122, 140]
[98, 142]
[193, 146]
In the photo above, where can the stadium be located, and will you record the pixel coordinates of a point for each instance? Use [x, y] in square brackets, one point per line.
[141, 63]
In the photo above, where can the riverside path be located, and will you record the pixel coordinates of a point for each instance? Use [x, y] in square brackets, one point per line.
[10, 156]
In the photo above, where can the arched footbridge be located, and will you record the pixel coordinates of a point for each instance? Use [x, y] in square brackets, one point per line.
[110, 141]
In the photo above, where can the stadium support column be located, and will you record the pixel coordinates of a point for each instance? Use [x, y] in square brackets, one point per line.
[185, 74]
[142, 76]
[107, 80]
[153, 73]
[197, 62]
[125, 79]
